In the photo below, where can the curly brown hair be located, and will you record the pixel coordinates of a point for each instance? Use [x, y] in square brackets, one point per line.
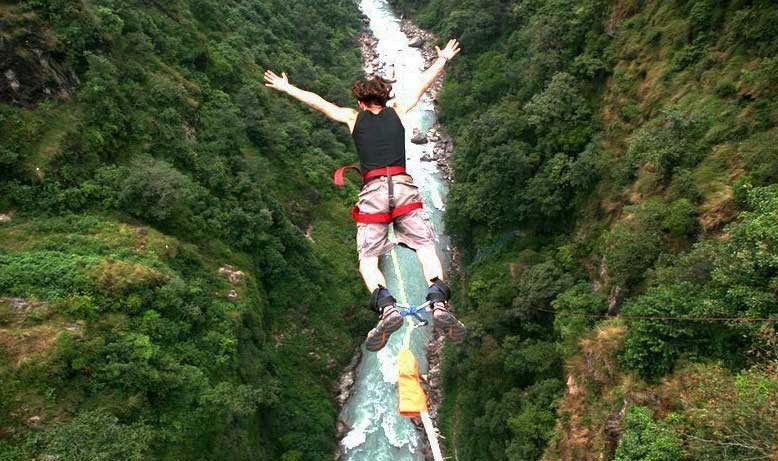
[375, 90]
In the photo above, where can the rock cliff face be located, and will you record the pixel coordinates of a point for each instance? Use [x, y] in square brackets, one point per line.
[31, 61]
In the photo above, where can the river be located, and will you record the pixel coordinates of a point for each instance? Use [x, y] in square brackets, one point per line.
[377, 432]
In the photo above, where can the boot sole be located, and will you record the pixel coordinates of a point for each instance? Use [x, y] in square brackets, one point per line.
[378, 336]
[454, 329]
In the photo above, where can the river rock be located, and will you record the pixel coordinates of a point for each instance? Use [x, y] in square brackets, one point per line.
[419, 137]
[347, 379]
[416, 42]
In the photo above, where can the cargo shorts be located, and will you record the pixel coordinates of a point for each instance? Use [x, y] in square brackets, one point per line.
[413, 230]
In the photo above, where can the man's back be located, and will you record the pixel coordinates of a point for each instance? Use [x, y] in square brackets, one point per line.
[380, 139]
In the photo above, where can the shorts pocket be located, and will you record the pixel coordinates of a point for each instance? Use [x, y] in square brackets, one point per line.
[370, 187]
[407, 192]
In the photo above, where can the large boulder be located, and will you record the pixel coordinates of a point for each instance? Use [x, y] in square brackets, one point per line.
[416, 42]
[419, 137]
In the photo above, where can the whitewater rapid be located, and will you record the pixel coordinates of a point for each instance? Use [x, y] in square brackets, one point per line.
[377, 432]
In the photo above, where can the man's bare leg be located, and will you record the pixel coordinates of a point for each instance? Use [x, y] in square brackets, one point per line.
[438, 294]
[430, 263]
[371, 274]
[382, 301]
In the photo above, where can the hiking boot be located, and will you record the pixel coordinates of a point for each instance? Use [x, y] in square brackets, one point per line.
[443, 318]
[438, 294]
[389, 321]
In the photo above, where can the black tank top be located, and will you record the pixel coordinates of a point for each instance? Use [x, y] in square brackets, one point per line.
[380, 139]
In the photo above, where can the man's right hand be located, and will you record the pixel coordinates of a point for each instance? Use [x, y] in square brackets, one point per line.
[277, 83]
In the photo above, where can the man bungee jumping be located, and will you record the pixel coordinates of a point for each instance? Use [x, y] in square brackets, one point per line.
[388, 194]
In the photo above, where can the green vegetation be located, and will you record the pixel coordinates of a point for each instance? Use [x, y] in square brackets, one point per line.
[155, 158]
[646, 440]
[612, 156]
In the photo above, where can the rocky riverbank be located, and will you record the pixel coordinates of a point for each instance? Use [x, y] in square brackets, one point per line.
[443, 143]
[343, 390]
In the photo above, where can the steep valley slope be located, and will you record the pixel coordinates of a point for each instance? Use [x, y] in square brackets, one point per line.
[616, 208]
[177, 276]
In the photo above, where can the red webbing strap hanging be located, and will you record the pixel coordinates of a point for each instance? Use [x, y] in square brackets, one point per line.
[339, 177]
[384, 218]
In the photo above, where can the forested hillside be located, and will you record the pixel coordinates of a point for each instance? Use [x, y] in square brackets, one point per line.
[613, 157]
[177, 277]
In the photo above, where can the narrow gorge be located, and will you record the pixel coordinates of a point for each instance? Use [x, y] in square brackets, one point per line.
[370, 426]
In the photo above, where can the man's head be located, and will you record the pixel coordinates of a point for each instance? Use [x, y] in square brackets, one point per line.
[372, 91]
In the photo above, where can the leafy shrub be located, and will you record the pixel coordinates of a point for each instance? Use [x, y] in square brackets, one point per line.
[645, 439]
[652, 346]
[701, 13]
[671, 142]
[680, 220]
[99, 436]
[688, 55]
[573, 309]
[532, 426]
[46, 274]
[684, 185]
[725, 89]
[537, 287]
[157, 192]
[757, 28]
[630, 248]
[728, 416]
[760, 152]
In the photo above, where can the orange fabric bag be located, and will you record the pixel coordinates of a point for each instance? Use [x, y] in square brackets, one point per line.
[411, 397]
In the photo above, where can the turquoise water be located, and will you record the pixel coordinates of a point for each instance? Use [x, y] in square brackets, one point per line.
[378, 432]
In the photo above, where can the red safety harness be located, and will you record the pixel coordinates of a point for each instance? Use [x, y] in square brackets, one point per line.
[377, 218]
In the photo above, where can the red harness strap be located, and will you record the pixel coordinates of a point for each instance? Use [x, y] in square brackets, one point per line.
[339, 178]
[385, 171]
[384, 218]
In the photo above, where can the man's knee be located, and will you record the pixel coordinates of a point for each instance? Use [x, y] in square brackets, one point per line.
[368, 263]
[429, 251]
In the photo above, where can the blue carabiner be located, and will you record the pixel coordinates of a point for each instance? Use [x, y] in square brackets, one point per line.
[413, 311]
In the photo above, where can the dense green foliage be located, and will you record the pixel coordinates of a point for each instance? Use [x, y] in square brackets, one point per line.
[732, 279]
[646, 440]
[609, 153]
[158, 158]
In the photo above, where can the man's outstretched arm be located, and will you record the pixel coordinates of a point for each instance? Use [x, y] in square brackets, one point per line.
[335, 112]
[430, 75]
